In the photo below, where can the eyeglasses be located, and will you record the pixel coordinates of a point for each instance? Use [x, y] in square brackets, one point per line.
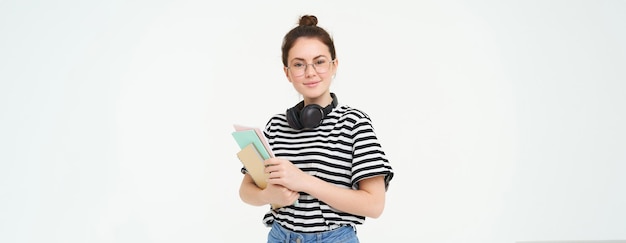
[320, 65]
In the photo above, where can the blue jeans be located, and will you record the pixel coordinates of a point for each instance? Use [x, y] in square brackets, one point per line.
[344, 234]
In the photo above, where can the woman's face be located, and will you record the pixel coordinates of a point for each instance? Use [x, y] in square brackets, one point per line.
[310, 69]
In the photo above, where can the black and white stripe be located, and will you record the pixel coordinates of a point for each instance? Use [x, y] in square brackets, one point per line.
[343, 150]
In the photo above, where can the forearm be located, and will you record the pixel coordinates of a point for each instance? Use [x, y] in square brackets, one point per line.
[368, 201]
[250, 193]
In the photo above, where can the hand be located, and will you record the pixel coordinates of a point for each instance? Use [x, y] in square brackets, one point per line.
[280, 195]
[283, 172]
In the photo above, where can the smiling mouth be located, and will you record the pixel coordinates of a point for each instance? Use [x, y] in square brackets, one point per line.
[312, 83]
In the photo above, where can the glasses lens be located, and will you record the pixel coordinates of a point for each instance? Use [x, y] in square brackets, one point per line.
[321, 65]
[297, 68]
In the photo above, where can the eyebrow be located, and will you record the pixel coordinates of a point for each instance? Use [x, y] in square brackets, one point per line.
[302, 59]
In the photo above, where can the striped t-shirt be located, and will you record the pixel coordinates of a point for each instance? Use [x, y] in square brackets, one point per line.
[343, 150]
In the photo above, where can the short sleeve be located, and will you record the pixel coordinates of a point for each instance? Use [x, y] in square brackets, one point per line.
[369, 160]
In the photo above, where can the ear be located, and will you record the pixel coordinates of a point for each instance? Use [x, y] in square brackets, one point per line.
[287, 73]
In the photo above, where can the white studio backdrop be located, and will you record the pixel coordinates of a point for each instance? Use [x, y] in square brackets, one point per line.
[503, 119]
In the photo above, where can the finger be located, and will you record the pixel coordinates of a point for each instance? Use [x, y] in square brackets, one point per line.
[270, 162]
[271, 170]
[273, 175]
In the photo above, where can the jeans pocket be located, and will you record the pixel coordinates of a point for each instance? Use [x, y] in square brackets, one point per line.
[276, 235]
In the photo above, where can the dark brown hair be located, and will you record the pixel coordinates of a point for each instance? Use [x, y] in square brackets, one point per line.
[307, 27]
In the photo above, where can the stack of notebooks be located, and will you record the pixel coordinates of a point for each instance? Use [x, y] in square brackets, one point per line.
[254, 151]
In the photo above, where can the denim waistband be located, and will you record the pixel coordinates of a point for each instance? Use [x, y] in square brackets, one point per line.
[337, 234]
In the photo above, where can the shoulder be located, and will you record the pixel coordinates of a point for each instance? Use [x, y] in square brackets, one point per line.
[277, 119]
[344, 112]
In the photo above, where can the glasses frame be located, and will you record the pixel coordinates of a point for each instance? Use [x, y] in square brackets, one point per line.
[306, 65]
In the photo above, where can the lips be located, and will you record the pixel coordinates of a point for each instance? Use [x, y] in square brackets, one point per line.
[312, 84]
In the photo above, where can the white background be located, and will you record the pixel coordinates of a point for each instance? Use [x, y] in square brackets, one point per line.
[504, 120]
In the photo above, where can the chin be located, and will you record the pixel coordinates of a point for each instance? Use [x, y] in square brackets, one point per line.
[313, 93]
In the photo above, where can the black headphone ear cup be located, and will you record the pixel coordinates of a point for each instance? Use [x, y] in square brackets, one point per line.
[293, 118]
[311, 116]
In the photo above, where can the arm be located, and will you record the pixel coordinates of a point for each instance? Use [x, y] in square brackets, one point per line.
[368, 200]
[251, 194]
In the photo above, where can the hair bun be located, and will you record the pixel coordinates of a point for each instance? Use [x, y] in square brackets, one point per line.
[308, 20]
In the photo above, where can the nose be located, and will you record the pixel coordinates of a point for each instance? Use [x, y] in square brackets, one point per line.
[310, 71]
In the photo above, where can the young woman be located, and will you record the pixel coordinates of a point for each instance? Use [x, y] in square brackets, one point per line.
[329, 168]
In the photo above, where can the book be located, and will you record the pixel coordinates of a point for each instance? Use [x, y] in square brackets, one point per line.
[254, 163]
[255, 149]
[252, 160]
[259, 134]
[251, 136]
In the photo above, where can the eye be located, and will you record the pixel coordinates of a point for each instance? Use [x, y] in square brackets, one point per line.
[297, 65]
[320, 62]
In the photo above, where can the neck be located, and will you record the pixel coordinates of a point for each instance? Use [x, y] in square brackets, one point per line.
[322, 100]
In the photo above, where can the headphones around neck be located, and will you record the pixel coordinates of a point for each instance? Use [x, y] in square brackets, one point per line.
[309, 116]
